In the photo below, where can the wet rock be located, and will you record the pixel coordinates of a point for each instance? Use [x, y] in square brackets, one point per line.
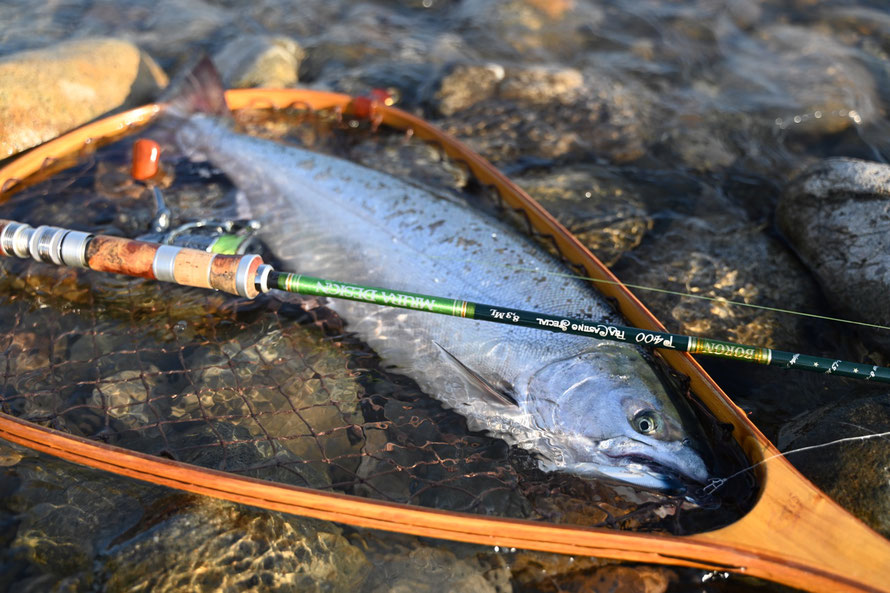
[705, 143]
[11, 454]
[46, 92]
[601, 210]
[835, 216]
[856, 474]
[469, 84]
[627, 579]
[466, 85]
[27, 351]
[304, 19]
[605, 118]
[413, 161]
[260, 61]
[744, 13]
[740, 264]
[542, 84]
[530, 568]
[219, 546]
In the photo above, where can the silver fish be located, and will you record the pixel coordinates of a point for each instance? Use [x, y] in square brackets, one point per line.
[589, 407]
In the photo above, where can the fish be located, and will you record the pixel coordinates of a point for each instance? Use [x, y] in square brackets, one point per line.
[589, 407]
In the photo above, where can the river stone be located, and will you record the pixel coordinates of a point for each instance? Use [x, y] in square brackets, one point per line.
[541, 84]
[49, 91]
[260, 61]
[740, 264]
[10, 453]
[836, 216]
[605, 117]
[467, 84]
[856, 474]
[415, 162]
[604, 212]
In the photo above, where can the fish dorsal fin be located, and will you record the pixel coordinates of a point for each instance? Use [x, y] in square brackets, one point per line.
[199, 91]
[500, 395]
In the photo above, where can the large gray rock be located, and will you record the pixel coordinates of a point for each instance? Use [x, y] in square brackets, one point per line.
[49, 91]
[836, 216]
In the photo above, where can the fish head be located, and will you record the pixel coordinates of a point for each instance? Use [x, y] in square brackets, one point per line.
[606, 413]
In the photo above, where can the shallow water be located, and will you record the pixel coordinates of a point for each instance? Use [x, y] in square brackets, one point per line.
[666, 158]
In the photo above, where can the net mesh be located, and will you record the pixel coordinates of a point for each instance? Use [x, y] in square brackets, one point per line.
[275, 388]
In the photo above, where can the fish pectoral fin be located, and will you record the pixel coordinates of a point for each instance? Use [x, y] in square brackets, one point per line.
[499, 394]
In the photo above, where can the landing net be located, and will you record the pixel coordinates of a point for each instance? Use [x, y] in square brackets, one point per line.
[275, 389]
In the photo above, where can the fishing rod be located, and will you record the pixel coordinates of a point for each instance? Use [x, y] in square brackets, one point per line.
[248, 276]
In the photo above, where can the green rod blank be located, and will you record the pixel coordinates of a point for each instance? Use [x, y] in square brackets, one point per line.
[309, 285]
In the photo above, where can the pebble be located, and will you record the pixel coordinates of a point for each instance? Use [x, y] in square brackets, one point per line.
[835, 216]
[11, 454]
[542, 84]
[466, 85]
[49, 91]
[260, 61]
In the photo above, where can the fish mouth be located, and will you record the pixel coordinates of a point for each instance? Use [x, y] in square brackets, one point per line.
[647, 472]
[674, 470]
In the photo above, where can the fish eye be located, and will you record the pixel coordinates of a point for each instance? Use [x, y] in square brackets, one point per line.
[646, 422]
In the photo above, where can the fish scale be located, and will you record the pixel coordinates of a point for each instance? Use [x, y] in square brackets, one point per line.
[323, 216]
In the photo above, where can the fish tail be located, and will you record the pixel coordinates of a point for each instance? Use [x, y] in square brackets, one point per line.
[200, 90]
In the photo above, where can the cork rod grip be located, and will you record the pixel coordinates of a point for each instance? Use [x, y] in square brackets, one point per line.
[233, 274]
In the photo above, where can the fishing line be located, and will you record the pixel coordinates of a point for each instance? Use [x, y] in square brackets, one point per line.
[720, 300]
[716, 483]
